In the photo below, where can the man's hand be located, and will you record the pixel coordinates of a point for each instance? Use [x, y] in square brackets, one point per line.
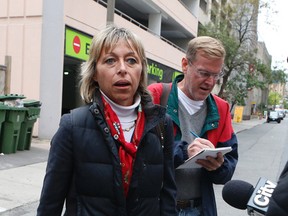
[210, 163]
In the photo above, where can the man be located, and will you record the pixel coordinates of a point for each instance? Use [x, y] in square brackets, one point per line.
[278, 202]
[194, 110]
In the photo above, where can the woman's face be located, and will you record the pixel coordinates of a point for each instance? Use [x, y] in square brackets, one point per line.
[118, 73]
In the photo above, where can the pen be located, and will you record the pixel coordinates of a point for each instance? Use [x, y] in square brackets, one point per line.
[194, 134]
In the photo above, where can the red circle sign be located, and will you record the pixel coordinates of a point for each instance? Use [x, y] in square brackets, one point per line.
[76, 44]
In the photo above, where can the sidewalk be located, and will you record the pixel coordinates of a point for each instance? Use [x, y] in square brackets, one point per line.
[247, 124]
[22, 173]
[21, 177]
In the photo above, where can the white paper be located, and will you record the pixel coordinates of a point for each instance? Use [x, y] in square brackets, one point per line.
[191, 162]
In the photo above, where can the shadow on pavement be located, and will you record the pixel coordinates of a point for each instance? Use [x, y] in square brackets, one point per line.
[38, 153]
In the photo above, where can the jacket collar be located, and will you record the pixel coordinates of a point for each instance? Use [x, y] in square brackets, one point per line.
[212, 118]
[153, 113]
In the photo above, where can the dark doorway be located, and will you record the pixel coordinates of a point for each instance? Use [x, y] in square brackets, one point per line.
[70, 92]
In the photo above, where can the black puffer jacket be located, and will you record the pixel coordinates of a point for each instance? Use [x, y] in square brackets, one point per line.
[278, 202]
[84, 150]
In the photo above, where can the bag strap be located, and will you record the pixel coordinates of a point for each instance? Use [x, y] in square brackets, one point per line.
[166, 87]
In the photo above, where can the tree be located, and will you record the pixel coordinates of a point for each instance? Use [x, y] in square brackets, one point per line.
[278, 76]
[238, 33]
[274, 99]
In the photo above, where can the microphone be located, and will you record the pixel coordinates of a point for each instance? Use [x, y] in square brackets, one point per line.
[242, 195]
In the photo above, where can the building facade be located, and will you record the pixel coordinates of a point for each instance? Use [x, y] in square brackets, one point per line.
[46, 41]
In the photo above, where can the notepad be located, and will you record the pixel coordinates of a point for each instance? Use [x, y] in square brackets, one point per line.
[191, 162]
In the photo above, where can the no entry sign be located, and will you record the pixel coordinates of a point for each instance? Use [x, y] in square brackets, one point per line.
[77, 44]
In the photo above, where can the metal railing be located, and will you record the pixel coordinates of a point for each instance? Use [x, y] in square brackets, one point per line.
[125, 16]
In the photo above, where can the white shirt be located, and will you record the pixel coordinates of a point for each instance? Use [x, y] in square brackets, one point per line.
[190, 105]
[127, 115]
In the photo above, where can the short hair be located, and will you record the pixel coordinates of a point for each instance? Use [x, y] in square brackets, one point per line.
[107, 39]
[211, 47]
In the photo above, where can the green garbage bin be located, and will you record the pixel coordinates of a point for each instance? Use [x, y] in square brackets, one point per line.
[11, 100]
[11, 129]
[6, 97]
[3, 109]
[31, 116]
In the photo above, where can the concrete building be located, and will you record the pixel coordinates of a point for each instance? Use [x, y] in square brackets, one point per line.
[250, 45]
[213, 11]
[46, 41]
[261, 96]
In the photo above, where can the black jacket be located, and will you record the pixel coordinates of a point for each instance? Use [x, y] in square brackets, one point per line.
[83, 150]
[279, 200]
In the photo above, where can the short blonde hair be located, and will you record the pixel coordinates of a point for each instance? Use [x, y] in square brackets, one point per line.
[211, 47]
[106, 39]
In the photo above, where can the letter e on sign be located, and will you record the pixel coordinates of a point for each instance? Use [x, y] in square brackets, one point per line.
[76, 44]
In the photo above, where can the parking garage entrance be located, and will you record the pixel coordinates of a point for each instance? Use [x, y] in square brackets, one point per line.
[77, 46]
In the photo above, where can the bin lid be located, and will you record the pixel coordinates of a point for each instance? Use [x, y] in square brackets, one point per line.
[11, 97]
[17, 109]
[31, 103]
[9, 108]
[3, 106]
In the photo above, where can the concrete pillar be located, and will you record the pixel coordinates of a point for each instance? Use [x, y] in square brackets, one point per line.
[110, 12]
[51, 69]
[193, 6]
[154, 23]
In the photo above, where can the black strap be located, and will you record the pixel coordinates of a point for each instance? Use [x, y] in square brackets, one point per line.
[163, 102]
[165, 94]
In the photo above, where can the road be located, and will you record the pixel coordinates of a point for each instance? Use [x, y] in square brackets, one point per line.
[263, 152]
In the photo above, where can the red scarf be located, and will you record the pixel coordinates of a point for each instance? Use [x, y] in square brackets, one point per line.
[127, 150]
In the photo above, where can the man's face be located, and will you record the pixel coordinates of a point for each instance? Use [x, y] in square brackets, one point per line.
[200, 76]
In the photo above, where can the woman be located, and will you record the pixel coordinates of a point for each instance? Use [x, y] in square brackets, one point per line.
[106, 157]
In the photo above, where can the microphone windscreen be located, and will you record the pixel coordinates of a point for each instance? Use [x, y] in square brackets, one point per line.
[237, 193]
